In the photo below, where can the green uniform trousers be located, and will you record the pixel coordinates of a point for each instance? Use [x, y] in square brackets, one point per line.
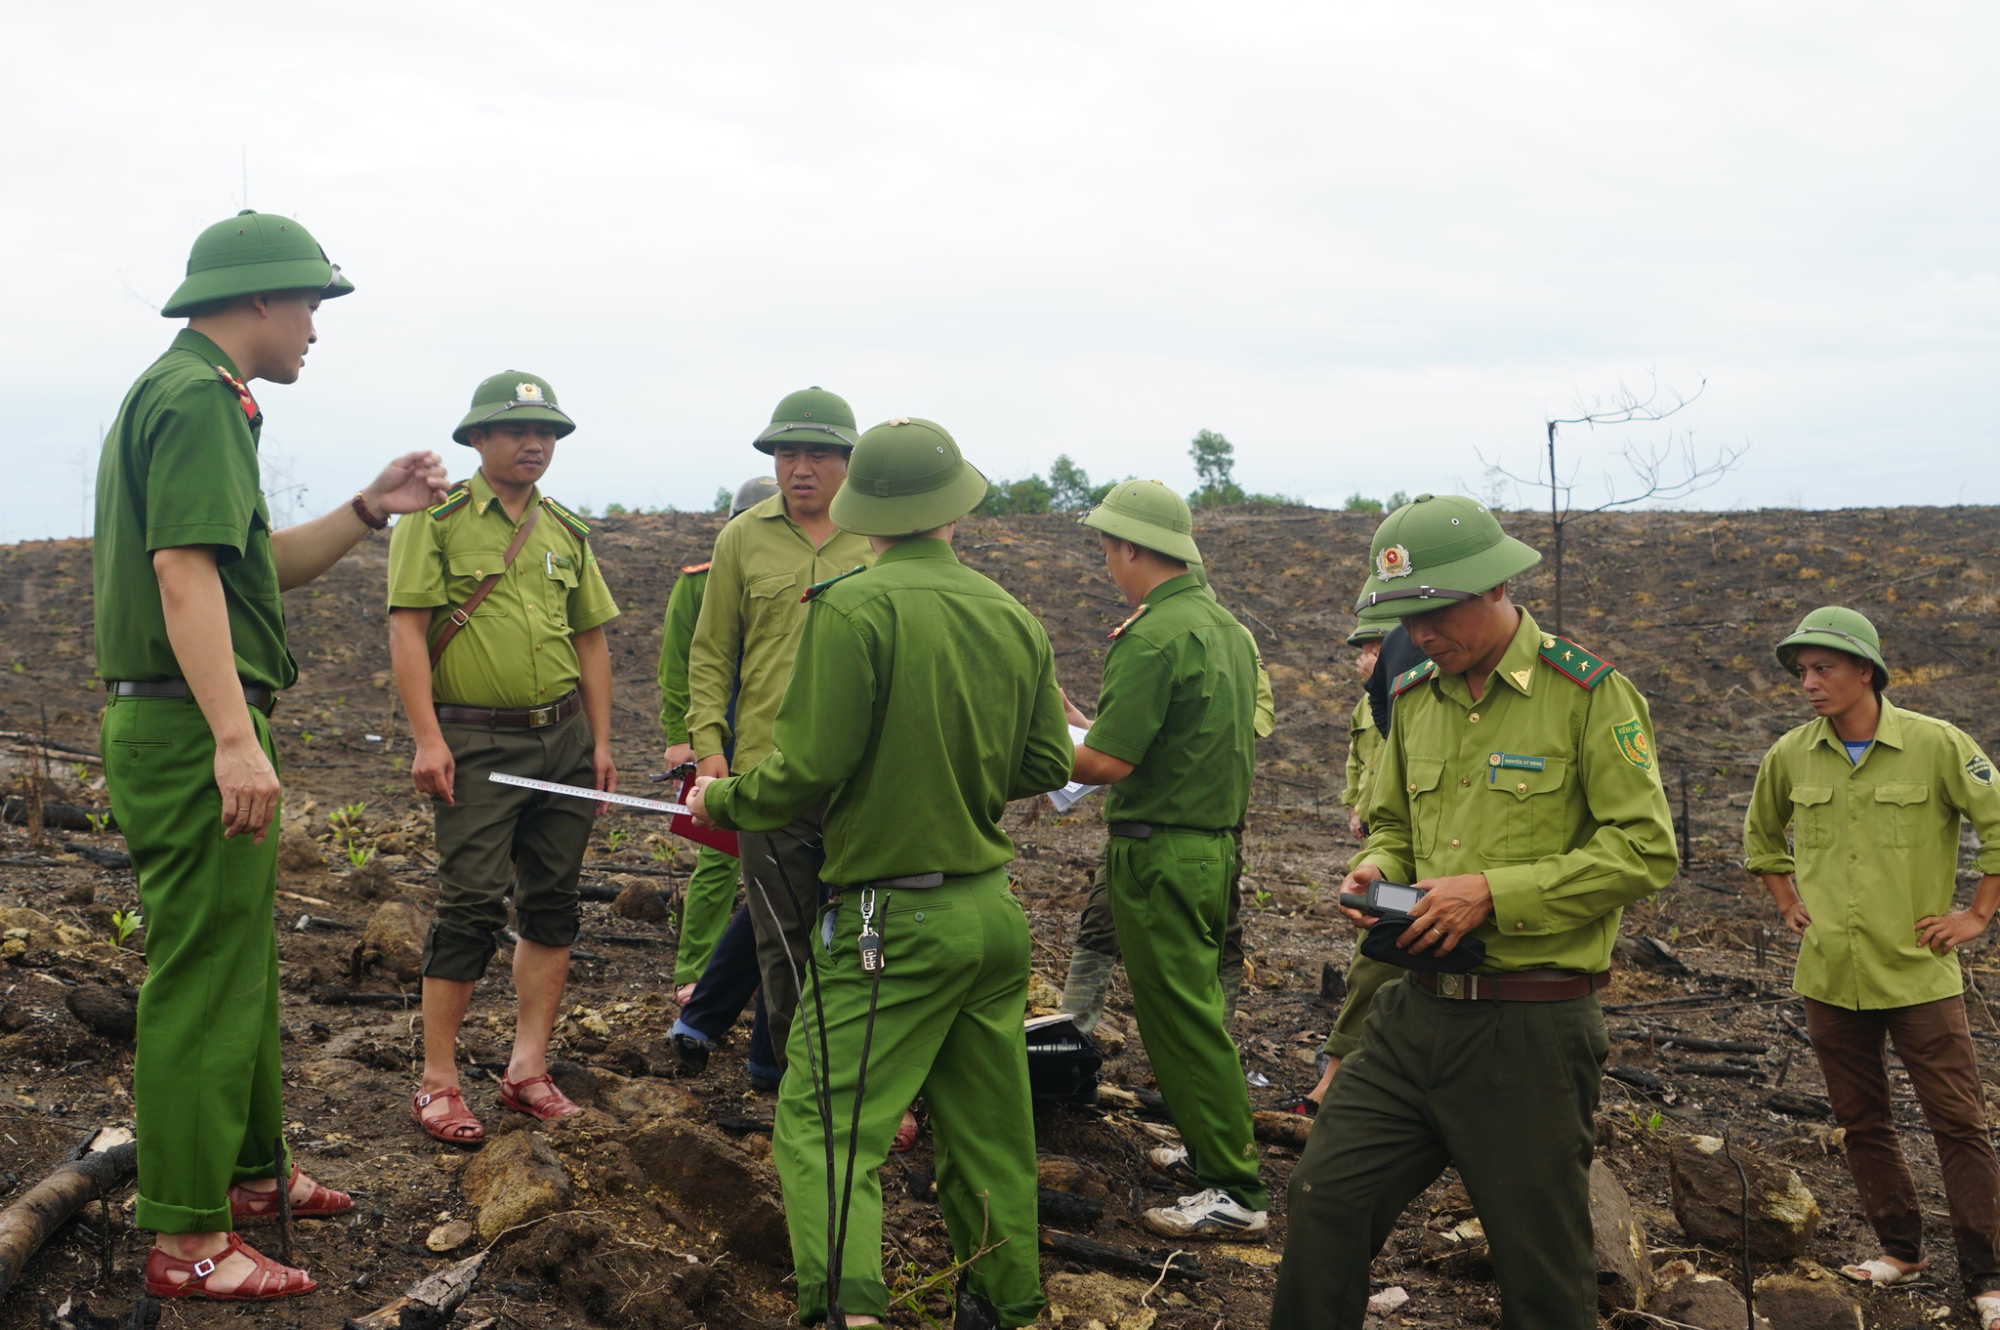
[782, 889]
[206, 1091]
[948, 1026]
[1365, 976]
[705, 909]
[1097, 930]
[1502, 1090]
[1170, 896]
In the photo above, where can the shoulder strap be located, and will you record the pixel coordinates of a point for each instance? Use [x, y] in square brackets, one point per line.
[1574, 663]
[463, 614]
[1410, 678]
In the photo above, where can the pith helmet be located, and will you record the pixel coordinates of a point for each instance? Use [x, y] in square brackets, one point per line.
[512, 396]
[1436, 549]
[810, 415]
[1364, 633]
[905, 475]
[1840, 629]
[251, 252]
[751, 493]
[1147, 513]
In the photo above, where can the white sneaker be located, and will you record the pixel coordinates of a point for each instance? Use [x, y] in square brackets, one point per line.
[1207, 1214]
[1172, 1160]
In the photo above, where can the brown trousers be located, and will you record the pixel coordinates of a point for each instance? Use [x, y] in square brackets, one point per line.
[1935, 1045]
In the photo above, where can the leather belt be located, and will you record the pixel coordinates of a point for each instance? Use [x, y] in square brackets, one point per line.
[912, 880]
[514, 718]
[1528, 986]
[256, 694]
[1145, 830]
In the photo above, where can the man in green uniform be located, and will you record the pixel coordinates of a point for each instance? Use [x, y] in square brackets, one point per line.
[922, 701]
[711, 888]
[1874, 797]
[191, 645]
[1175, 739]
[744, 641]
[1364, 741]
[496, 631]
[1518, 793]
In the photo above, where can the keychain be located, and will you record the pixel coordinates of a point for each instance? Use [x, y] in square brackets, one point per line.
[871, 941]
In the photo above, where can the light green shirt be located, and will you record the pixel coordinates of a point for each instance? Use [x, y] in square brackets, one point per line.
[1364, 748]
[751, 618]
[1547, 784]
[516, 650]
[676, 633]
[1875, 848]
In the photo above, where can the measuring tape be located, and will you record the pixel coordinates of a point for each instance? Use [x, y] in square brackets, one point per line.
[595, 796]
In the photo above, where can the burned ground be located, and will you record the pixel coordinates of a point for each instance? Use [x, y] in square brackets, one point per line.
[661, 1202]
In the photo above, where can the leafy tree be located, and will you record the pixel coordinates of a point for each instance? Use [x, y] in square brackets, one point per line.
[1214, 464]
[1070, 489]
[723, 498]
[1397, 500]
[1030, 494]
[1358, 502]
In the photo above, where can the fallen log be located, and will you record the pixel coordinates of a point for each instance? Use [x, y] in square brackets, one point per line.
[332, 995]
[1107, 1257]
[66, 817]
[93, 1168]
[1730, 1069]
[430, 1302]
[1060, 1207]
[1689, 1043]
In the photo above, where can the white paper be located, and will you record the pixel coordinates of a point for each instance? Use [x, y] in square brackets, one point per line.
[1072, 794]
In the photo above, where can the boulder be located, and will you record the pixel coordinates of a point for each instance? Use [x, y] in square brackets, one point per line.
[643, 904]
[1707, 1198]
[1703, 1302]
[1624, 1269]
[716, 1185]
[644, 1097]
[1791, 1302]
[297, 854]
[449, 1237]
[393, 942]
[513, 1180]
[110, 1012]
[1057, 1173]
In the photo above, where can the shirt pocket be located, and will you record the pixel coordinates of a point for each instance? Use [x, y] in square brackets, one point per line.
[468, 569]
[1812, 816]
[1426, 803]
[1524, 815]
[563, 580]
[1900, 811]
[768, 600]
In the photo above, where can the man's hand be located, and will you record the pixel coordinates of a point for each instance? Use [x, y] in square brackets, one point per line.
[411, 483]
[1945, 933]
[698, 801]
[1798, 920]
[677, 756]
[434, 771]
[1070, 713]
[1355, 827]
[606, 774]
[1451, 908]
[1356, 884]
[249, 789]
[714, 768]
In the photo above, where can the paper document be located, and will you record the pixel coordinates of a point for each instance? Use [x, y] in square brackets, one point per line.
[1070, 795]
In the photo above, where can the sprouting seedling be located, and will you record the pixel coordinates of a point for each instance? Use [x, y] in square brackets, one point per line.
[123, 924]
[98, 821]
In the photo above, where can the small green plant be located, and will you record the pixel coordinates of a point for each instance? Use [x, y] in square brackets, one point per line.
[616, 837]
[98, 821]
[358, 854]
[123, 924]
[79, 773]
[1649, 1123]
[1673, 933]
[661, 852]
[1261, 898]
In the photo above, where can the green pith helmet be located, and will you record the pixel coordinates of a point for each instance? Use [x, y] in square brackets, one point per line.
[905, 475]
[808, 416]
[1839, 629]
[1436, 549]
[252, 252]
[1148, 514]
[751, 493]
[1364, 633]
[512, 396]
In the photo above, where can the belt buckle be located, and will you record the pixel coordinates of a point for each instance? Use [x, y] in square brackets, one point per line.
[540, 716]
[1452, 986]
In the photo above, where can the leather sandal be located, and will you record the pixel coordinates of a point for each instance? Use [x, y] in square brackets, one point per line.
[321, 1202]
[906, 1133]
[459, 1128]
[172, 1277]
[555, 1104]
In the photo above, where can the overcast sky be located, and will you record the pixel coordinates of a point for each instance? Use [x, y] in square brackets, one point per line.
[1362, 241]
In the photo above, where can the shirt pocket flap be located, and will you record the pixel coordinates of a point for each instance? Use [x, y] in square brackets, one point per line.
[1424, 773]
[1524, 784]
[476, 563]
[777, 584]
[1809, 795]
[563, 571]
[1902, 792]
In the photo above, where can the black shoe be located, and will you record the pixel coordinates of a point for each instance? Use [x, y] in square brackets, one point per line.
[692, 1052]
[974, 1312]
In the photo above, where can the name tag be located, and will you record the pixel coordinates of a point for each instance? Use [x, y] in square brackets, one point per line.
[1499, 762]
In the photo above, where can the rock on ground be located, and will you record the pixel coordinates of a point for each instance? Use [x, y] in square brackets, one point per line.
[1703, 1302]
[394, 942]
[1624, 1269]
[1708, 1199]
[110, 1012]
[1791, 1302]
[715, 1184]
[513, 1180]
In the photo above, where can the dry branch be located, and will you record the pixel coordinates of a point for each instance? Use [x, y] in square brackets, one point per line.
[429, 1303]
[96, 1165]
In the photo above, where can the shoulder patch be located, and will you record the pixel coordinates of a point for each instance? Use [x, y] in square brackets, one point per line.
[1411, 677]
[1979, 768]
[818, 587]
[455, 498]
[1632, 742]
[242, 390]
[1131, 619]
[1580, 667]
[699, 567]
[577, 526]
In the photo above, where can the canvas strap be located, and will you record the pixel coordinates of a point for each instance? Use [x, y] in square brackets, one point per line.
[463, 614]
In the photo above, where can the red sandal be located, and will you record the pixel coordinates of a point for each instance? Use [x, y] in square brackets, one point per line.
[551, 1106]
[171, 1277]
[323, 1201]
[460, 1128]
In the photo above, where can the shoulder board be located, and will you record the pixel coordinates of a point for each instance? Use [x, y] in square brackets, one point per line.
[1119, 631]
[455, 498]
[1580, 667]
[818, 587]
[699, 567]
[1411, 677]
[242, 391]
[577, 526]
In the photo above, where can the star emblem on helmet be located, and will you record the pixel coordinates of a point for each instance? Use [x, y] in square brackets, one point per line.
[1393, 562]
[527, 392]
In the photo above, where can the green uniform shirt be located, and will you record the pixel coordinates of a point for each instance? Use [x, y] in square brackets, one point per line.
[1180, 686]
[180, 468]
[1875, 848]
[1547, 787]
[922, 700]
[516, 650]
[750, 622]
[1364, 748]
[676, 633]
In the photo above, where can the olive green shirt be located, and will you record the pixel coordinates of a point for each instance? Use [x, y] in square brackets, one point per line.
[179, 468]
[923, 699]
[676, 634]
[1364, 748]
[1874, 848]
[1548, 787]
[516, 650]
[1179, 702]
[750, 622]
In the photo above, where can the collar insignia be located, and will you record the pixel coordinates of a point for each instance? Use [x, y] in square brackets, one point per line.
[1119, 631]
[249, 403]
[1521, 677]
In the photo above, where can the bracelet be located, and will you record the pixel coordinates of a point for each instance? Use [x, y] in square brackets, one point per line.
[368, 519]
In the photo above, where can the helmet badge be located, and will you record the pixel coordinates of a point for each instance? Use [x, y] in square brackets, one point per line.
[1393, 562]
[527, 392]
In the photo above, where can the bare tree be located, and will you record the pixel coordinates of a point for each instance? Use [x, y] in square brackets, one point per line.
[1664, 471]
